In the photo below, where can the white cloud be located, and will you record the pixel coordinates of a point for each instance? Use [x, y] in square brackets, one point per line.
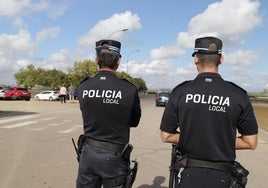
[52, 32]
[187, 72]
[138, 68]
[19, 22]
[230, 20]
[11, 8]
[166, 52]
[56, 10]
[60, 60]
[104, 28]
[63, 59]
[20, 44]
[241, 60]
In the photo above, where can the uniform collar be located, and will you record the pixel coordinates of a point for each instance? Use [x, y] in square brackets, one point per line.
[104, 72]
[208, 74]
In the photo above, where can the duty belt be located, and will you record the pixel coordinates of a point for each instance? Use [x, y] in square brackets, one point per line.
[105, 145]
[223, 166]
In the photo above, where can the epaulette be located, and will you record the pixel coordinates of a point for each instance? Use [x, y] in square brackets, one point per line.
[182, 83]
[127, 81]
[237, 86]
[86, 78]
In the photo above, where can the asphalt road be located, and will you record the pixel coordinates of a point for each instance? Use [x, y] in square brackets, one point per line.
[36, 148]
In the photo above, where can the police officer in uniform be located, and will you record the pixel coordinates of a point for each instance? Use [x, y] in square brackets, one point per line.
[109, 106]
[202, 118]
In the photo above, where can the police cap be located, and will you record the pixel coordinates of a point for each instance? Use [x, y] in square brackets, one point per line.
[111, 45]
[208, 45]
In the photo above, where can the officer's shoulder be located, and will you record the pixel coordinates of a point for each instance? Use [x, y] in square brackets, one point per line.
[237, 86]
[182, 84]
[127, 81]
[85, 79]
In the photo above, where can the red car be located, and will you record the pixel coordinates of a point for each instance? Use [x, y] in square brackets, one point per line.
[15, 93]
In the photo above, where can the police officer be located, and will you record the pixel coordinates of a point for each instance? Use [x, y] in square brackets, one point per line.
[202, 118]
[109, 106]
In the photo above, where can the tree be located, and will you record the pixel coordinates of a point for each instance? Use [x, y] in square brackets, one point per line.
[138, 82]
[27, 76]
[54, 78]
[80, 71]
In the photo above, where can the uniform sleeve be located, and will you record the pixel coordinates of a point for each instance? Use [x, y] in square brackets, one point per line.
[136, 111]
[169, 122]
[247, 124]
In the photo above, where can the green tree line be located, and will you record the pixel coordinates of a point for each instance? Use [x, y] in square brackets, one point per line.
[53, 78]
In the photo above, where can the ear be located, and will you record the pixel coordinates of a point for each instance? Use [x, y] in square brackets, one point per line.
[222, 58]
[117, 63]
[97, 61]
[195, 60]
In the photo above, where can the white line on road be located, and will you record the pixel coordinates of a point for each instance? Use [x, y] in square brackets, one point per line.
[17, 119]
[70, 129]
[49, 118]
[19, 125]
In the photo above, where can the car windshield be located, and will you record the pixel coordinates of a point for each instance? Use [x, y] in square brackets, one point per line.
[164, 94]
[22, 89]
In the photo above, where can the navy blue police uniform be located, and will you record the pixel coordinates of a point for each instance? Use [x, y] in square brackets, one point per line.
[109, 106]
[207, 112]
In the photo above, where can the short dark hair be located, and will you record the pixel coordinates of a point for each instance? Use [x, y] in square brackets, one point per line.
[108, 58]
[209, 59]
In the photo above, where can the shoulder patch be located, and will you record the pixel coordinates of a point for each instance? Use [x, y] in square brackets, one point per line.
[237, 86]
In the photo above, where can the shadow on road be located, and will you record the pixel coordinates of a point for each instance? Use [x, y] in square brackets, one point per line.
[14, 113]
[158, 180]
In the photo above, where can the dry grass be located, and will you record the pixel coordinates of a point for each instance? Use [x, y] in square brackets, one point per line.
[261, 113]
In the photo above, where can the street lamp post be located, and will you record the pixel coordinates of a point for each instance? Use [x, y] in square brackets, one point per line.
[122, 30]
[129, 55]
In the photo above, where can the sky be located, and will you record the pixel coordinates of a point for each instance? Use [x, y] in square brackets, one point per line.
[158, 43]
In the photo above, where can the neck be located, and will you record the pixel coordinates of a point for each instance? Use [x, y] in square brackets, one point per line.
[107, 69]
[212, 69]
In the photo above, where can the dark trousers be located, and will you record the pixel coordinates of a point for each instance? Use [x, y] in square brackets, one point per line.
[194, 177]
[97, 165]
[63, 98]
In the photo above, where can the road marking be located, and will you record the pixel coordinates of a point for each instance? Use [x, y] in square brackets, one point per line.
[54, 124]
[17, 119]
[37, 129]
[49, 118]
[262, 141]
[19, 125]
[73, 128]
[14, 124]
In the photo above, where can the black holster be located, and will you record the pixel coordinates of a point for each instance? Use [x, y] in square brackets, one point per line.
[125, 153]
[239, 176]
[133, 168]
[80, 143]
[178, 161]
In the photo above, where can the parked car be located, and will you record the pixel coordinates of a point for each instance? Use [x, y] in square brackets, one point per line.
[2, 94]
[161, 98]
[50, 95]
[16, 93]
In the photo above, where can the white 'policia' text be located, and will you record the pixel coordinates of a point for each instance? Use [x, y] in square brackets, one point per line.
[216, 103]
[108, 96]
